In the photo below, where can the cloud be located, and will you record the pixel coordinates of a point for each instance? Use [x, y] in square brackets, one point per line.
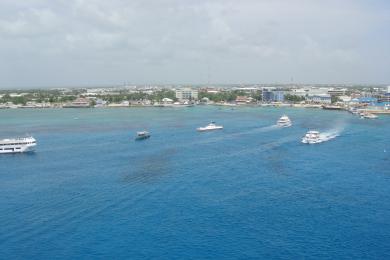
[29, 23]
[101, 42]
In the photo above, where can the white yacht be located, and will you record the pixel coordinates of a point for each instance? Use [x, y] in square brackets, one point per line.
[17, 145]
[142, 135]
[367, 115]
[210, 127]
[312, 137]
[284, 121]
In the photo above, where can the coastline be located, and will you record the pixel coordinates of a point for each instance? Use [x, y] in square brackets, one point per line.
[372, 110]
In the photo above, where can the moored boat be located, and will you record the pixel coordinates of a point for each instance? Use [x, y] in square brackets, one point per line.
[332, 107]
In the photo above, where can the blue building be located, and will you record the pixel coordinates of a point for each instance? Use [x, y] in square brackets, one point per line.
[384, 98]
[273, 96]
[367, 100]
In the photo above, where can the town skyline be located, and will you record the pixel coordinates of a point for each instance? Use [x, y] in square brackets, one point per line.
[193, 85]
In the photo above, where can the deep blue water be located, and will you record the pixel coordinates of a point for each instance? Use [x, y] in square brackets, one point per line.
[249, 191]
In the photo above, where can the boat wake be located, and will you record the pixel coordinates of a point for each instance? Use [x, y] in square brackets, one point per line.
[328, 136]
[248, 151]
[239, 134]
[331, 134]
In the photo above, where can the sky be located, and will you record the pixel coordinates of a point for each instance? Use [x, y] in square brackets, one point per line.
[54, 43]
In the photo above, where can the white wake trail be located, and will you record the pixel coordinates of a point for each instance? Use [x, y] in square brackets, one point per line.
[332, 133]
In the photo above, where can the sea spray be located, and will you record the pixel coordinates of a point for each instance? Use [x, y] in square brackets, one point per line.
[334, 132]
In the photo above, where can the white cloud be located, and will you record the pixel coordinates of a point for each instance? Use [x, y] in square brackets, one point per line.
[31, 22]
[176, 41]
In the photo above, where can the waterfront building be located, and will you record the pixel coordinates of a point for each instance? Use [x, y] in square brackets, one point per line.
[186, 94]
[337, 92]
[100, 103]
[124, 103]
[384, 98]
[317, 91]
[78, 103]
[167, 101]
[247, 90]
[366, 100]
[205, 100]
[320, 99]
[273, 96]
[243, 100]
[300, 92]
[308, 91]
[345, 99]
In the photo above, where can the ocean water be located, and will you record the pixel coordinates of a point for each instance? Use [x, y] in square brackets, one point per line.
[251, 190]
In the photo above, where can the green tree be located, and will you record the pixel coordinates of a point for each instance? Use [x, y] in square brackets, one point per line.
[294, 98]
[92, 102]
[334, 99]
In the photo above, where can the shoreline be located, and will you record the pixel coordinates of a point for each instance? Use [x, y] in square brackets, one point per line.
[227, 105]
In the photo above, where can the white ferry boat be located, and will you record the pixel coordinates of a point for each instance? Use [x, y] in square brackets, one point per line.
[284, 121]
[17, 145]
[210, 127]
[312, 137]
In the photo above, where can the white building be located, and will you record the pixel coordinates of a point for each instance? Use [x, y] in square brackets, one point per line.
[345, 99]
[388, 89]
[337, 92]
[167, 101]
[308, 91]
[187, 94]
[124, 103]
[301, 92]
[320, 98]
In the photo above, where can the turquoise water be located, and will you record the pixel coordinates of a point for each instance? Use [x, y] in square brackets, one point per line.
[249, 191]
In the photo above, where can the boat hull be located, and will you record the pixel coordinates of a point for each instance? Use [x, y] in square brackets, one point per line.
[305, 141]
[284, 124]
[202, 129]
[17, 149]
[139, 138]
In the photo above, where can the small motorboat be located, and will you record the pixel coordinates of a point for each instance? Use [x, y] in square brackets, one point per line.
[284, 121]
[142, 135]
[210, 127]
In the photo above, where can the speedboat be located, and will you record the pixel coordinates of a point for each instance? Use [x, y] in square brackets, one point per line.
[367, 115]
[284, 121]
[210, 127]
[142, 135]
[312, 137]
